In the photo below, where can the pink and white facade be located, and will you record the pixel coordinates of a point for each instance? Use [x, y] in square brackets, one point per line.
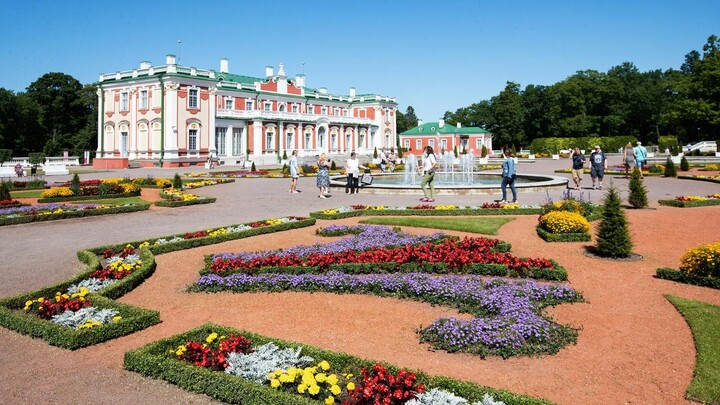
[173, 115]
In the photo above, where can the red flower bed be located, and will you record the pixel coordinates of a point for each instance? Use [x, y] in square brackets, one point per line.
[48, 308]
[203, 355]
[457, 254]
[5, 203]
[379, 387]
[193, 235]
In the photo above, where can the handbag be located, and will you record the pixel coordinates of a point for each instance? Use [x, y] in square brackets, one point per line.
[366, 179]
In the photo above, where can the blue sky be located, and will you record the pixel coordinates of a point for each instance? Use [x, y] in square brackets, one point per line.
[433, 55]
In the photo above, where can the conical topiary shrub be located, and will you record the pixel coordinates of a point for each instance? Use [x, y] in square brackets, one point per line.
[75, 184]
[4, 191]
[483, 151]
[684, 165]
[252, 167]
[177, 182]
[613, 237]
[670, 170]
[638, 191]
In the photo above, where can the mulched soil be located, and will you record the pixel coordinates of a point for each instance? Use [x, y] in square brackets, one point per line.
[633, 347]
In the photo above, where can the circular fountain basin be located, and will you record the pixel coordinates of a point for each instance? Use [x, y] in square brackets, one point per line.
[456, 183]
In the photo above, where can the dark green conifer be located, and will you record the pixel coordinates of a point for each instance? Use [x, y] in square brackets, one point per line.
[613, 237]
[177, 182]
[638, 191]
[670, 170]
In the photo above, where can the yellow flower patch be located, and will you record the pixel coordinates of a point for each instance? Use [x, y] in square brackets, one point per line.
[564, 222]
[703, 260]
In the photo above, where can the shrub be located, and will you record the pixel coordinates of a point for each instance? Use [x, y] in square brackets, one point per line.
[375, 155]
[252, 167]
[177, 182]
[613, 237]
[670, 170]
[638, 191]
[684, 165]
[702, 260]
[483, 151]
[284, 156]
[332, 165]
[5, 155]
[4, 192]
[564, 222]
[656, 169]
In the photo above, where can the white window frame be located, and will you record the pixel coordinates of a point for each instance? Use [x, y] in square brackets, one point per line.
[270, 139]
[431, 143]
[248, 105]
[310, 109]
[308, 138]
[418, 144]
[290, 138]
[144, 99]
[387, 115]
[237, 141]
[323, 110]
[124, 101]
[406, 143]
[267, 106]
[443, 144]
[294, 108]
[220, 139]
[229, 103]
[194, 98]
[193, 139]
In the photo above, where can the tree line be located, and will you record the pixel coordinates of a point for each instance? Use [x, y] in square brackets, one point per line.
[622, 101]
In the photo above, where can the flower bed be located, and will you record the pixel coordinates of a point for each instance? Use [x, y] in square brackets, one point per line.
[177, 198]
[507, 315]
[699, 265]
[160, 360]
[26, 185]
[692, 201]
[380, 249]
[423, 210]
[563, 226]
[11, 204]
[89, 190]
[205, 183]
[51, 212]
[712, 179]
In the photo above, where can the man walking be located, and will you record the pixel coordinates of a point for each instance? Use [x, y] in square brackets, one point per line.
[578, 163]
[598, 165]
[640, 157]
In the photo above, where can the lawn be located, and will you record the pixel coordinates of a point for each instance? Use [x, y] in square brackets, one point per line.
[26, 193]
[483, 225]
[704, 321]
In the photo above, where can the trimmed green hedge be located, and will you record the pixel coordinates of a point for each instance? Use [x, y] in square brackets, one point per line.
[133, 319]
[154, 360]
[13, 317]
[699, 179]
[667, 273]
[429, 213]
[689, 204]
[208, 240]
[87, 197]
[609, 144]
[173, 204]
[74, 214]
[562, 237]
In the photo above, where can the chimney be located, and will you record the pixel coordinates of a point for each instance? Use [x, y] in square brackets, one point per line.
[223, 65]
[322, 90]
[268, 71]
[300, 80]
[170, 59]
[441, 123]
[459, 125]
[420, 123]
[352, 91]
[145, 65]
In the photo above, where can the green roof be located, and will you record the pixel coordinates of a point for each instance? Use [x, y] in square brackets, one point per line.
[433, 128]
[229, 77]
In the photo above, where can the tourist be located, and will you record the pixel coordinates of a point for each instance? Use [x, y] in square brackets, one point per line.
[383, 160]
[598, 165]
[352, 167]
[428, 174]
[294, 172]
[323, 176]
[19, 170]
[629, 158]
[392, 159]
[640, 156]
[578, 163]
[508, 177]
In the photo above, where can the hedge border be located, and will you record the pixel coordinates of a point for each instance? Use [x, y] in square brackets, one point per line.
[208, 240]
[667, 273]
[698, 179]
[174, 204]
[152, 360]
[74, 214]
[689, 204]
[428, 212]
[88, 197]
[562, 237]
[134, 318]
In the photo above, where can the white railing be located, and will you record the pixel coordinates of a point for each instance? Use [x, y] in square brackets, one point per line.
[49, 161]
[704, 146]
[290, 116]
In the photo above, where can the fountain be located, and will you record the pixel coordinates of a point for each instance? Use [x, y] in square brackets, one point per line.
[462, 178]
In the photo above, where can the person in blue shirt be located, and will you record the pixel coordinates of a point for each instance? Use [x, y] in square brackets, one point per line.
[508, 176]
[640, 156]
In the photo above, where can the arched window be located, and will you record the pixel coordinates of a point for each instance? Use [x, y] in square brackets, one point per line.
[321, 137]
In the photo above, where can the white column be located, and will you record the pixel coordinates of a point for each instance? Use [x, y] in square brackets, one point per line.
[257, 138]
[132, 127]
[212, 101]
[100, 127]
[228, 140]
[282, 142]
[171, 117]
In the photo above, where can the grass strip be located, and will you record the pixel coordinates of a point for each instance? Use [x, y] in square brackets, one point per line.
[483, 225]
[704, 322]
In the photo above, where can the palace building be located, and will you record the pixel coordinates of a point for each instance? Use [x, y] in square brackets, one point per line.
[172, 115]
[444, 137]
